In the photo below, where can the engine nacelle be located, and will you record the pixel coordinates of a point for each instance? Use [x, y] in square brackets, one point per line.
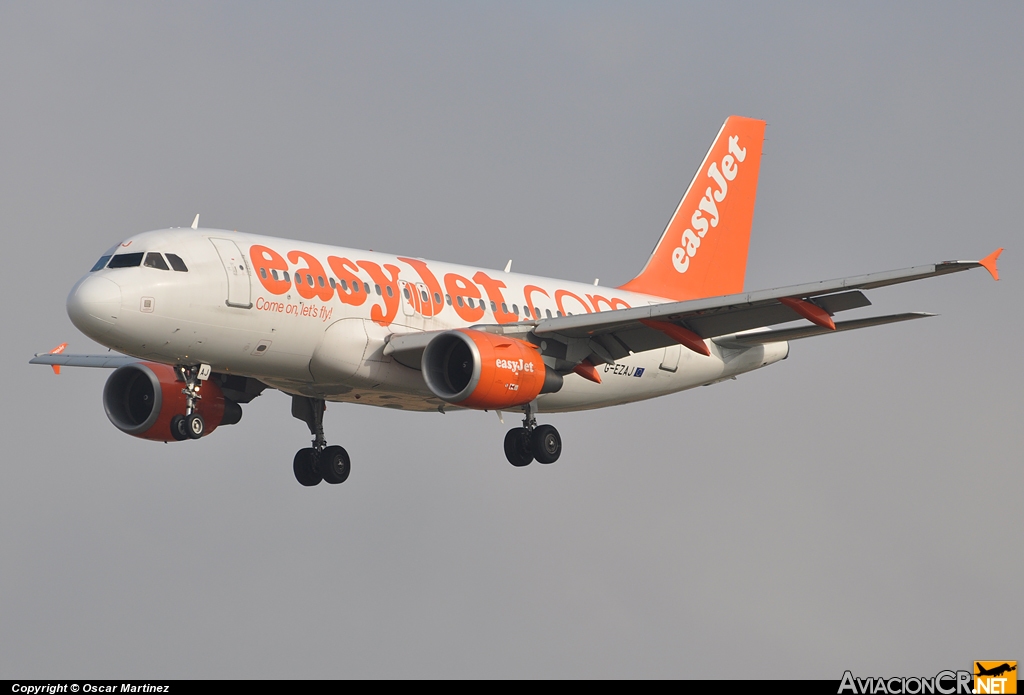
[141, 398]
[485, 371]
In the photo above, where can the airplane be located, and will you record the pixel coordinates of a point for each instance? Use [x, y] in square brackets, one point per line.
[994, 671]
[201, 321]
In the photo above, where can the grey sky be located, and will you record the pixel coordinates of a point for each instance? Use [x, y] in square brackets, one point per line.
[855, 506]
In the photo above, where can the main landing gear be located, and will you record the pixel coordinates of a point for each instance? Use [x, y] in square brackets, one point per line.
[190, 425]
[532, 441]
[319, 462]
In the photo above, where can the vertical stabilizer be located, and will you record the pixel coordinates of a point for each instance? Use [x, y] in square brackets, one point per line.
[703, 251]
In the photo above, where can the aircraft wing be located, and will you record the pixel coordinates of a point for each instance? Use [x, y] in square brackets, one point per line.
[611, 335]
[109, 361]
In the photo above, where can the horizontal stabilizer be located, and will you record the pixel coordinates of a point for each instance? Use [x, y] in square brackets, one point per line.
[748, 339]
[110, 361]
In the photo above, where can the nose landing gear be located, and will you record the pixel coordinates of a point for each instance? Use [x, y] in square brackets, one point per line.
[318, 462]
[190, 425]
[529, 442]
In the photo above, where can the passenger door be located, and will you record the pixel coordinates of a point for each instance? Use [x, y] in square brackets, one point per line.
[237, 269]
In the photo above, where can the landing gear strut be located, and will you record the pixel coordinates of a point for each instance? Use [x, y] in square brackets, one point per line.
[319, 462]
[190, 425]
[529, 442]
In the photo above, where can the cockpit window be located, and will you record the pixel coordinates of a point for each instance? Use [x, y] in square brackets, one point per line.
[126, 260]
[100, 264]
[155, 260]
[177, 263]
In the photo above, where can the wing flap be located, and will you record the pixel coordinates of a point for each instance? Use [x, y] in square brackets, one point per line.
[773, 336]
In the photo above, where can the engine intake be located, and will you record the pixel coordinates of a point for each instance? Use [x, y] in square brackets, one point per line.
[141, 398]
[482, 370]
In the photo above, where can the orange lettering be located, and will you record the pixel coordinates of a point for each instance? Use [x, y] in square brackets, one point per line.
[390, 298]
[560, 294]
[613, 303]
[308, 280]
[266, 262]
[493, 289]
[528, 293]
[458, 286]
[345, 272]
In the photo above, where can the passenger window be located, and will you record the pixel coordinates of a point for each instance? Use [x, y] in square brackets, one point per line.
[176, 263]
[344, 285]
[437, 299]
[405, 291]
[515, 309]
[459, 300]
[548, 312]
[126, 260]
[355, 286]
[526, 310]
[423, 296]
[286, 278]
[366, 287]
[494, 307]
[263, 273]
[298, 278]
[448, 298]
[559, 313]
[391, 292]
[376, 288]
[504, 308]
[320, 279]
[333, 286]
[470, 300]
[155, 260]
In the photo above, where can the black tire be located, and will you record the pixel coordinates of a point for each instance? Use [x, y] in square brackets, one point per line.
[517, 447]
[546, 444]
[195, 426]
[178, 429]
[304, 467]
[334, 465]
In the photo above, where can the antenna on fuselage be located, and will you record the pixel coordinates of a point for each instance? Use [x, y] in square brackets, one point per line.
[195, 222]
[508, 266]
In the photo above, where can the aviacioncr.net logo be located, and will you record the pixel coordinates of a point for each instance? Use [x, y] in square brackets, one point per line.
[943, 683]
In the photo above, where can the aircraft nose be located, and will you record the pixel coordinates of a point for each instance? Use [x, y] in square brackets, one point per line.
[94, 304]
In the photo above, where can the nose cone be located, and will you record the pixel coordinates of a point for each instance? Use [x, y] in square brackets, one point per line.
[94, 304]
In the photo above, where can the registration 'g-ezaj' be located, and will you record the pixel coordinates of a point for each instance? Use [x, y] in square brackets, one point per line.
[204, 320]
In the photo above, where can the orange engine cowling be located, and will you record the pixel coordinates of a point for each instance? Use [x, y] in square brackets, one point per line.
[141, 398]
[481, 370]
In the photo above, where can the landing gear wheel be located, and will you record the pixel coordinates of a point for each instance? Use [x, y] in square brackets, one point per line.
[305, 469]
[178, 429]
[195, 426]
[517, 447]
[334, 465]
[546, 444]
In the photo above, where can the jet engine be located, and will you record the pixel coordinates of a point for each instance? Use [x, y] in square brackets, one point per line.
[474, 369]
[141, 398]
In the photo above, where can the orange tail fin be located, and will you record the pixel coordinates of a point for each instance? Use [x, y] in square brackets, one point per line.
[703, 252]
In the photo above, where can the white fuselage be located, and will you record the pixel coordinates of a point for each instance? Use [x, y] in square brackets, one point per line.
[245, 306]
